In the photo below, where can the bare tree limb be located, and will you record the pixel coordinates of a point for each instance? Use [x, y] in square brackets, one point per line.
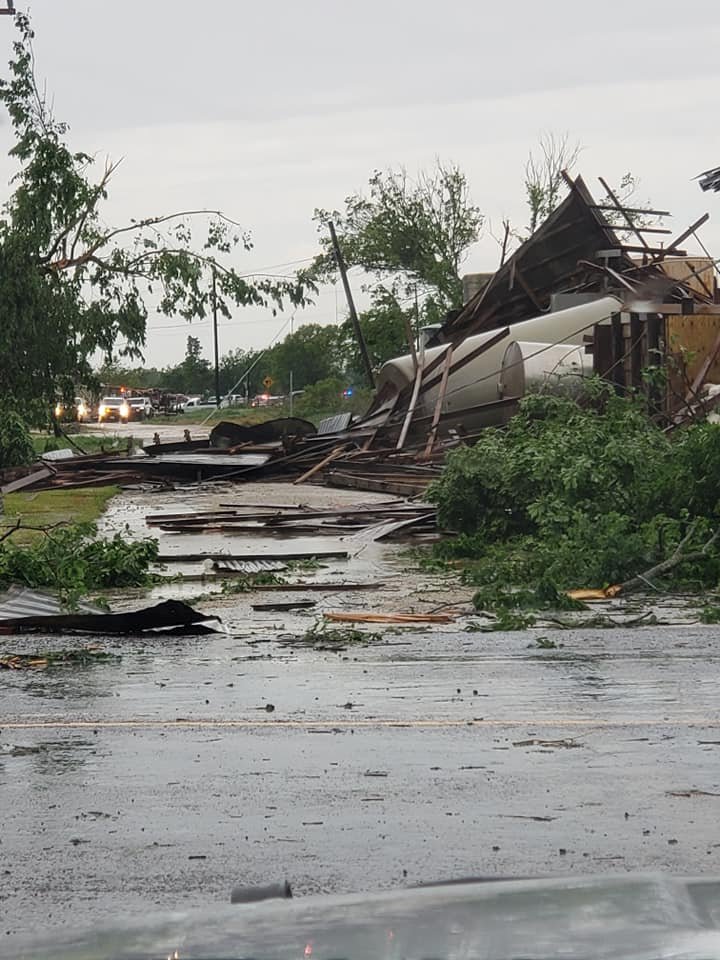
[66, 263]
[47, 530]
[678, 556]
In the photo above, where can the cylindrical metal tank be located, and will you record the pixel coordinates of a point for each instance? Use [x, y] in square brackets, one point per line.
[534, 367]
[477, 381]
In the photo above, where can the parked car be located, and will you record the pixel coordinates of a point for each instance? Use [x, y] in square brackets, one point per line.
[170, 402]
[113, 408]
[192, 402]
[234, 400]
[140, 408]
[266, 400]
[79, 410]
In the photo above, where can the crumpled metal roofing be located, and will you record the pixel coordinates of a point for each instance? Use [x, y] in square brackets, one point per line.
[336, 424]
[249, 566]
[20, 601]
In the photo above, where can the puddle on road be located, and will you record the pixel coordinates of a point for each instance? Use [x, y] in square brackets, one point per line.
[46, 757]
[586, 668]
[370, 562]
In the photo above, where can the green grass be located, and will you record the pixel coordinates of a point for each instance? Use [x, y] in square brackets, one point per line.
[246, 416]
[46, 507]
[234, 415]
[88, 442]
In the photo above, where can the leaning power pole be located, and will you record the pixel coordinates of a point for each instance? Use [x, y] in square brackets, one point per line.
[351, 305]
[215, 338]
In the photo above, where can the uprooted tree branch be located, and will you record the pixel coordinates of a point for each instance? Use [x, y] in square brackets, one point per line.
[680, 555]
[585, 495]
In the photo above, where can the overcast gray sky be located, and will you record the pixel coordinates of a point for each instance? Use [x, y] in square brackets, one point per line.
[270, 109]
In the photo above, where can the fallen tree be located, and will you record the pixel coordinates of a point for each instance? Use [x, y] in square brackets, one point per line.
[72, 560]
[592, 494]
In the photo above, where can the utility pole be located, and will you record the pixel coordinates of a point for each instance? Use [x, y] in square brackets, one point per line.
[215, 336]
[292, 330]
[351, 306]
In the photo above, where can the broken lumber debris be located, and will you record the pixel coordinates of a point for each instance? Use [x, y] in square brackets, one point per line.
[281, 605]
[364, 524]
[324, 586]
[28, 479]
[363, 617]
[285, 556]
[576, 297]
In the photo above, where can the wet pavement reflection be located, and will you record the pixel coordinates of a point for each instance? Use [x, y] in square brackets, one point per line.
[191, 764]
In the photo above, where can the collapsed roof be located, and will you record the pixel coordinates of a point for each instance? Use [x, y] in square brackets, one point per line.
[576, 250]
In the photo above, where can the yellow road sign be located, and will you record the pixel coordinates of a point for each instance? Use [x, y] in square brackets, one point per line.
[268, 382]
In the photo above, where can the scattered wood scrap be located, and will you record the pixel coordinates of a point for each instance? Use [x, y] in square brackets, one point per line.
[363, 617]
[286, 556]
[319, 587]
[281, 605]
[367, 523]
[37, 475]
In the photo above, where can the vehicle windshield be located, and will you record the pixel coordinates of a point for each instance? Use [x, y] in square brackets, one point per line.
[436, 595]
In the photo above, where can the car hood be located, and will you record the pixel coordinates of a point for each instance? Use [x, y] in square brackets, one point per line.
[631, 916]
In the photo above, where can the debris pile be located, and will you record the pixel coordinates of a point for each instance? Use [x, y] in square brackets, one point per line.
[599, 288]
[332, 533]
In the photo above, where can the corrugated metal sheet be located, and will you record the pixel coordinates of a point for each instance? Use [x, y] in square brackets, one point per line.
[24, 602]
[214, 459]
[336, 424]
[250, 566]
[64, 454]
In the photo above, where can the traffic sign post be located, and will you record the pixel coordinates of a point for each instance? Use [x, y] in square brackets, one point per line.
[268, 382]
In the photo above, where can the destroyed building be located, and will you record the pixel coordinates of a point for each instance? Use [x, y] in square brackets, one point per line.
[584, 294]
[599, 288]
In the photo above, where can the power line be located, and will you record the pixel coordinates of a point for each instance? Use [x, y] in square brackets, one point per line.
[273, 266]
[194, 324]
[253, 364]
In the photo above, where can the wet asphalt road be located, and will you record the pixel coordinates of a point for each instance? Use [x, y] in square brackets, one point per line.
[163, 778]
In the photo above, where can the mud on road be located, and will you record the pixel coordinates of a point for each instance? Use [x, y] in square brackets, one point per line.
[429, 753]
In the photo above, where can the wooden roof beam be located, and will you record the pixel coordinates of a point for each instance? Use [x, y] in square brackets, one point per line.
[624, 213]
[648, 213]
[687, 233]
[659, 252]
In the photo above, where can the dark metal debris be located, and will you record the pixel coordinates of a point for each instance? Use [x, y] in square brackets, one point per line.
[161, 617]
[280, 605]
[229, 434]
